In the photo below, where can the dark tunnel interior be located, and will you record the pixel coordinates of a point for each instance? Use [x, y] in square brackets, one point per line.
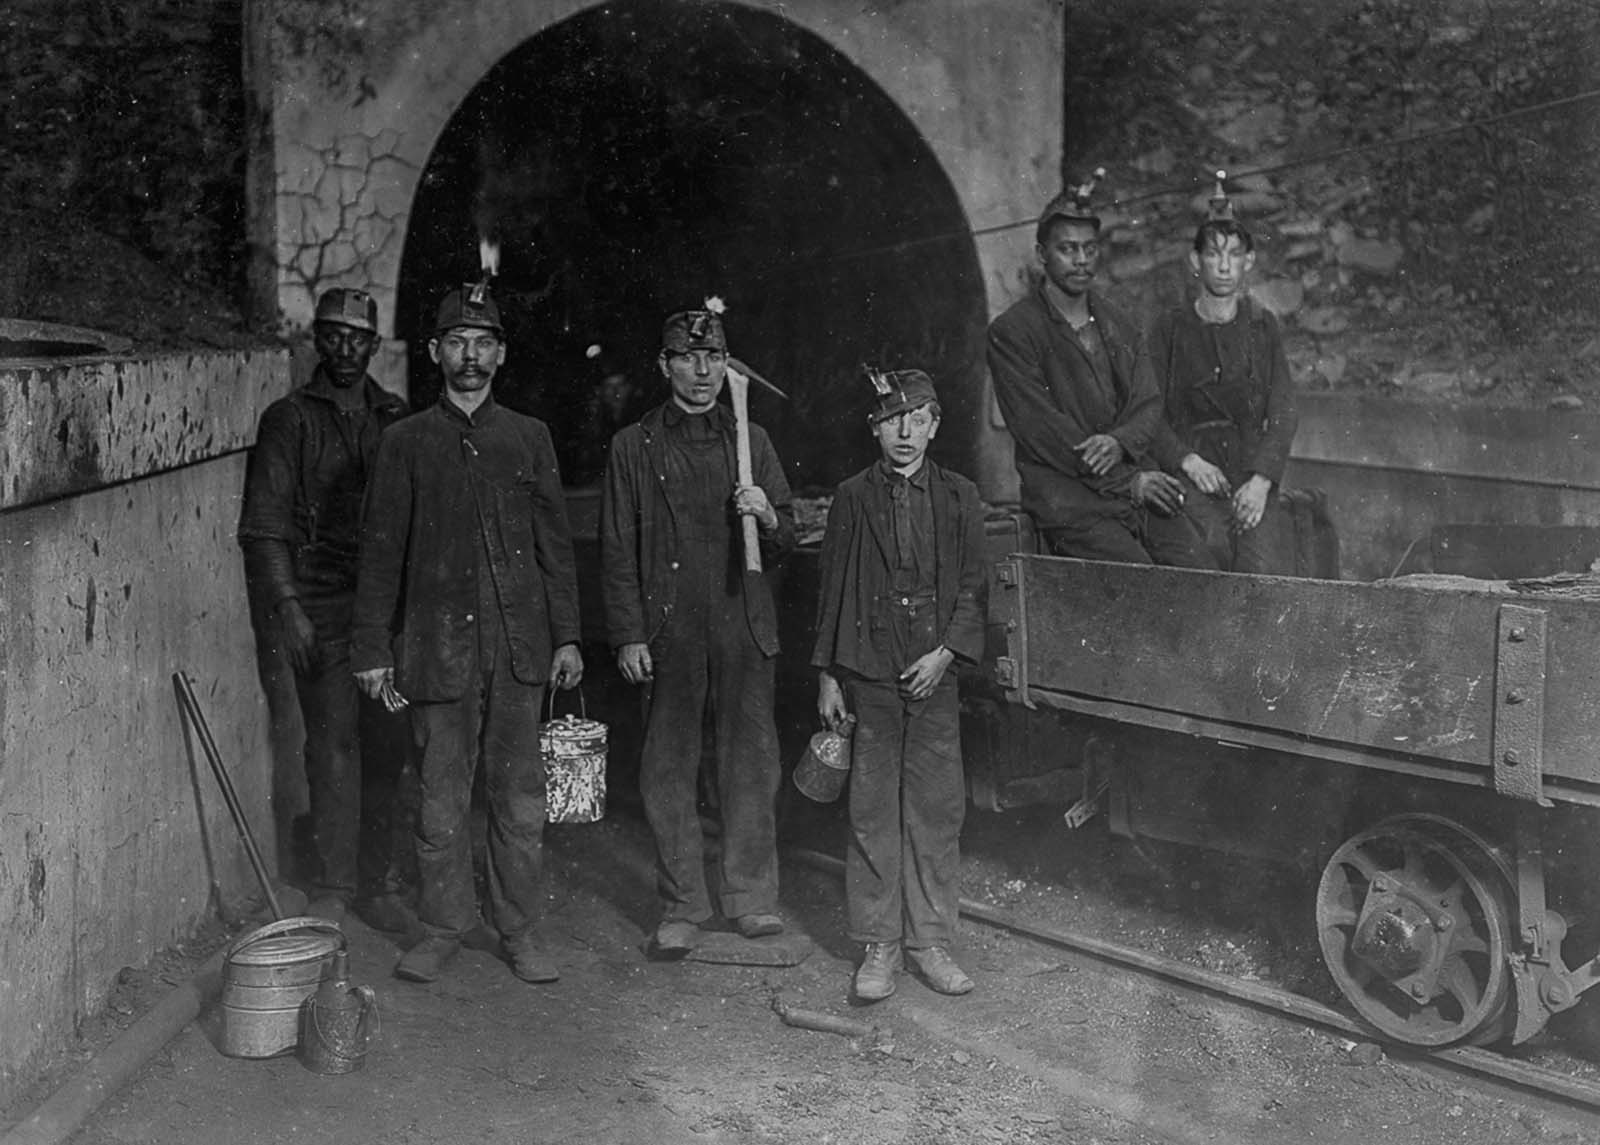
[640, 157]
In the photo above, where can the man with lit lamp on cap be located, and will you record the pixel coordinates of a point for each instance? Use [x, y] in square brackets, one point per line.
[902, 578]
[698, 630]
[300, 531]
[1230, 414]
[1082, 405]
[467, 608]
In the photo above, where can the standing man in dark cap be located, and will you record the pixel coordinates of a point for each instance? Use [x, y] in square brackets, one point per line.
[467, 575]
[698, 631]
[1083, 407]
[901, 601]
[300, 528]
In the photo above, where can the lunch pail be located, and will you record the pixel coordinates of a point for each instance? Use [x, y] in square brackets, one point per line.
[823, 769]
[266, 977]
[574, 753]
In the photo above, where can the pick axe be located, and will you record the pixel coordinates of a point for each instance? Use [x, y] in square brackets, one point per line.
[739, 378]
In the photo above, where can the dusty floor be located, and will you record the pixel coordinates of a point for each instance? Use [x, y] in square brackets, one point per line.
[1052, 1047]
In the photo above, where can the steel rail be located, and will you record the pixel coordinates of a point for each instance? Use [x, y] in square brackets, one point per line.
[1482, 1063]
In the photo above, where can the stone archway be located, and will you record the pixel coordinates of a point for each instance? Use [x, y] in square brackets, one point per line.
[633, 160]
[354, 97]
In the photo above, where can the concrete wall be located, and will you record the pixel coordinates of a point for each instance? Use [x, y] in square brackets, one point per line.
[119, 496]
[352, 96]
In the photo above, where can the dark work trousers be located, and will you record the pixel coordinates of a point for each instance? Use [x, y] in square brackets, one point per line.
[1136, 536]
[497, 718]
[907, 802]
[1240, 550]
[709, 659]
[355, 758]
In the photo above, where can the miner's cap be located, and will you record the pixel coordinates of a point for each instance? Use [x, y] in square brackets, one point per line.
[899, 391]
[348, 307]
[693, 330]
[458, 309]
[1073, 205]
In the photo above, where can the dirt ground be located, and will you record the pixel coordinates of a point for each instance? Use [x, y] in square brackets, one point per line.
[1052, 1047]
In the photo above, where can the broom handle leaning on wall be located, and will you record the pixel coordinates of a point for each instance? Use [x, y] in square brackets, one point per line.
[191, 707]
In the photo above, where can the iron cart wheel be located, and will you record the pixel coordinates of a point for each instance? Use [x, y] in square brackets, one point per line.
[1413, 915]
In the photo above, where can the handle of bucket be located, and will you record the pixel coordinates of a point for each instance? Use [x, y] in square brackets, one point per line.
[285, 926]
[363, 1035]
[550, 702]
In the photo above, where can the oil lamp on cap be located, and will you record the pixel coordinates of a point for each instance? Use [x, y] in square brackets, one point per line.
[1075, 204]
[468, 305]
[695, 329]
[1219, 209]
[348, 307]
[898, 391]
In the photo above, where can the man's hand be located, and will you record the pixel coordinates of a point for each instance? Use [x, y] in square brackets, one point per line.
[296, 634]
[378, 684]
[1206, 477]
[918, 681]
[633, 661]
[830, 702]
[1250, 501]
[566, 667]
[751, 501]
[1156, 490]
[1100, 453]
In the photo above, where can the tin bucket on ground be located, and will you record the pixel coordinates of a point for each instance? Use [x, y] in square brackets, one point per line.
[574, 753]
[823, 769]
[266, 977]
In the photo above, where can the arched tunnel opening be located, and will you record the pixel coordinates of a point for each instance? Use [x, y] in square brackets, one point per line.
[640, 157]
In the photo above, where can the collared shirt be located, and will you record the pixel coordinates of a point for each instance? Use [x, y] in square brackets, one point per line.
[911, 519]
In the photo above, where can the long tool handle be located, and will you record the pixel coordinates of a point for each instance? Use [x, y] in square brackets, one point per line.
[739, 392]
[191, 706]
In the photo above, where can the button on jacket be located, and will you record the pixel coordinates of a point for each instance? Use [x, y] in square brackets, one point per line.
[450, 493]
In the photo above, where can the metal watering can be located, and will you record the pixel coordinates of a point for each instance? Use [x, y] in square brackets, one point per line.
[338, 1022]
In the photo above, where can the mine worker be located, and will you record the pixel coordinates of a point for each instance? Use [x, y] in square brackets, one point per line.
[467, 573]
[300, 531]
[698, 631]
[1082, 405]
[1229, 401]
[901, 600]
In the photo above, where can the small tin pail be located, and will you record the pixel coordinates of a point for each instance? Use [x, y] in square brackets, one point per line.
[266, 976]
[337, 1023]
[823, 769]
[574, 752]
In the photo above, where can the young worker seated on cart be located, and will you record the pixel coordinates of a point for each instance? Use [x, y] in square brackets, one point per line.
[1229, 401]
[1082, 404]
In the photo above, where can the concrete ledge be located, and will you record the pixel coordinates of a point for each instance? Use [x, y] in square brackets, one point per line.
[84, 423]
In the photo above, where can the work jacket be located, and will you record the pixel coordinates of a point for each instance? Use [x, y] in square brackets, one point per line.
[640, 548]
[300, 526]
[1053, 398]
[857, 570]
[1227, 391]
[454, 498]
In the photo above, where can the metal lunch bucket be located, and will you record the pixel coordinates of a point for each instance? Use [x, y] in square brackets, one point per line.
[266, 977]
[823, 769]
[574, 752]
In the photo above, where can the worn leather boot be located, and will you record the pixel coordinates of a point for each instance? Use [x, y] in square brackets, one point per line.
[425, 961]
[874, 979]
[758, 925]
[939, 970]
[673, 939]
[530, 961]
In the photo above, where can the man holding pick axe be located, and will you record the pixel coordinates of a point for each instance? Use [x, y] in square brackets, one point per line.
[695, 515]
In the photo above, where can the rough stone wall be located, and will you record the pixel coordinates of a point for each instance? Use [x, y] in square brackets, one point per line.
[355, 94]
[115, 573]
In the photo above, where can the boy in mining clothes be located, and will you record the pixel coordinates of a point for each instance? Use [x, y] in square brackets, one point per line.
[901, 601]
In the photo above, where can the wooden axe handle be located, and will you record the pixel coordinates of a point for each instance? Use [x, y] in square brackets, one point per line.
[739, 393]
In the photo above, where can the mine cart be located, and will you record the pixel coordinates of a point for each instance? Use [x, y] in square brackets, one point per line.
[1432, 743]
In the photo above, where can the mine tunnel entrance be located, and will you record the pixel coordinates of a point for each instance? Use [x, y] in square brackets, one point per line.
[639, 157]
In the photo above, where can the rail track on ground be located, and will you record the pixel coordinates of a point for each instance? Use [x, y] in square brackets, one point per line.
[1482, 1065]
